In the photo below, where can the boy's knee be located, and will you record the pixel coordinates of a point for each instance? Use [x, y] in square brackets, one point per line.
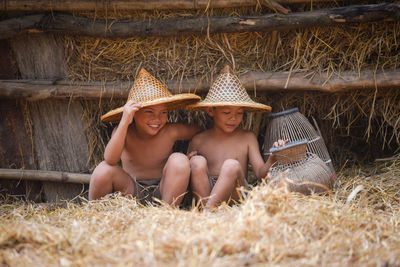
[198, 163]
[102, 172]
[103, 167]
[179, 161]
[231, 165]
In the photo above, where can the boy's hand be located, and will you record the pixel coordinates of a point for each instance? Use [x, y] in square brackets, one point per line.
[130, 109]
[271, 159]
[280, 143]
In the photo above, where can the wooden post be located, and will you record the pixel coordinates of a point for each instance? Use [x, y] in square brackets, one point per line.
[46, 176]
[261, 81]
[78, 5]
[69, 24]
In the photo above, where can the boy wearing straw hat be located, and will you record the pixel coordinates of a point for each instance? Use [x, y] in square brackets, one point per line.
[219, 156]
[144, 147]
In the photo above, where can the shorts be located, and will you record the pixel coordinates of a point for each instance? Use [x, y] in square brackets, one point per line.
[146, 190]
[213, 181]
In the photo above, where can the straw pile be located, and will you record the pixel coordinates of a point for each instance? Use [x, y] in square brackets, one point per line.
[271, 227]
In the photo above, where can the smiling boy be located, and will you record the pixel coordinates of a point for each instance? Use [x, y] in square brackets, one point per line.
[149, 168]
[219, 156]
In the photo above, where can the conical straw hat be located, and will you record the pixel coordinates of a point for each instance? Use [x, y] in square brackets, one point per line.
[149, 91]
[227, 90]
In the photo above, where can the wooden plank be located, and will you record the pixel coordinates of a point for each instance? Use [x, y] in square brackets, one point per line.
[74, 25]
[44, 89]
[60, 143]
[48, 176]
[15, 143]
[261, 81]
[39, 56]
[7, 68]
[16, 151]
[78, 5]
[323, 82]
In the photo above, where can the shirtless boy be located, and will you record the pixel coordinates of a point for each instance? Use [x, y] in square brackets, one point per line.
[219, 156]
[149, 168]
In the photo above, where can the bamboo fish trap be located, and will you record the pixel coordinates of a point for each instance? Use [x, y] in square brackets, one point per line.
[301, 171]
[292, 125]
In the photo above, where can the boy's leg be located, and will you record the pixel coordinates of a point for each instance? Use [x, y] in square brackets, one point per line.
[199, 181]
[106, 179]
[230, 177]
[175, 179]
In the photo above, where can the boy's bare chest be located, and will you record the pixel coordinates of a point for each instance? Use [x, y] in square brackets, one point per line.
[225, 149]
[217, 152]
[157, 149]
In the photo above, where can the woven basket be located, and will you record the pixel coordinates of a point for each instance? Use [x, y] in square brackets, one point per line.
[292, 125]
[291, 152]
[309, 175]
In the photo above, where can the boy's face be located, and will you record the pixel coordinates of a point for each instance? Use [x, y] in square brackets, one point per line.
[151, 119]
[226, 118]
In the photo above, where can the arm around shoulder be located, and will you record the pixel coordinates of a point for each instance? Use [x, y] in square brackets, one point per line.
[185, 131]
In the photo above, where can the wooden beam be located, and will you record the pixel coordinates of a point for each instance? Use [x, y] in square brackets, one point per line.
[68, 24]
[261, 81]
[48, 176]
[80, 5]
[323, 82]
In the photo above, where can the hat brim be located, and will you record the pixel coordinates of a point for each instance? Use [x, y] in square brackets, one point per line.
[173, 102]
[247, 107]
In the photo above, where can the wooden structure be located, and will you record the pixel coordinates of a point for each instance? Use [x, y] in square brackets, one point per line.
[43, 127]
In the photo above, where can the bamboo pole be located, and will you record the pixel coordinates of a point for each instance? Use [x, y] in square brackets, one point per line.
[261, 81]
[81, 5]
[68, 24]
[48, 176]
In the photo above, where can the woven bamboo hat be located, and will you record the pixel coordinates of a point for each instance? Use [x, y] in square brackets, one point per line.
[149, 91]
[227, 90]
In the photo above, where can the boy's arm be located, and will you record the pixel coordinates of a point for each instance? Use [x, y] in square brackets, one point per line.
[260, 168]
[191, 151]
[114, 148]
[194, 145]
[184, 131]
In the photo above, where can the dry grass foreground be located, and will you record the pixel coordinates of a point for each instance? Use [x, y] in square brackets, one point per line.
[271, 227]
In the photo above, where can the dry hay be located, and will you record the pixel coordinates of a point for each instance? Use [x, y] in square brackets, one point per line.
[333, 49]
[271, 227]
[347, 120]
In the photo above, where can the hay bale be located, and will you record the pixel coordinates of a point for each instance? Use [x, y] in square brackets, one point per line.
[271, 227]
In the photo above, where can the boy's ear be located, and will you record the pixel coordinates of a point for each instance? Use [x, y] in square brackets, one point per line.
[210, 111]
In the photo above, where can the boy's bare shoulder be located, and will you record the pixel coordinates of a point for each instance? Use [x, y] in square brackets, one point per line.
[247, 137]
[201, 136]
[245, 133]
[173, 127]
[176, 126]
